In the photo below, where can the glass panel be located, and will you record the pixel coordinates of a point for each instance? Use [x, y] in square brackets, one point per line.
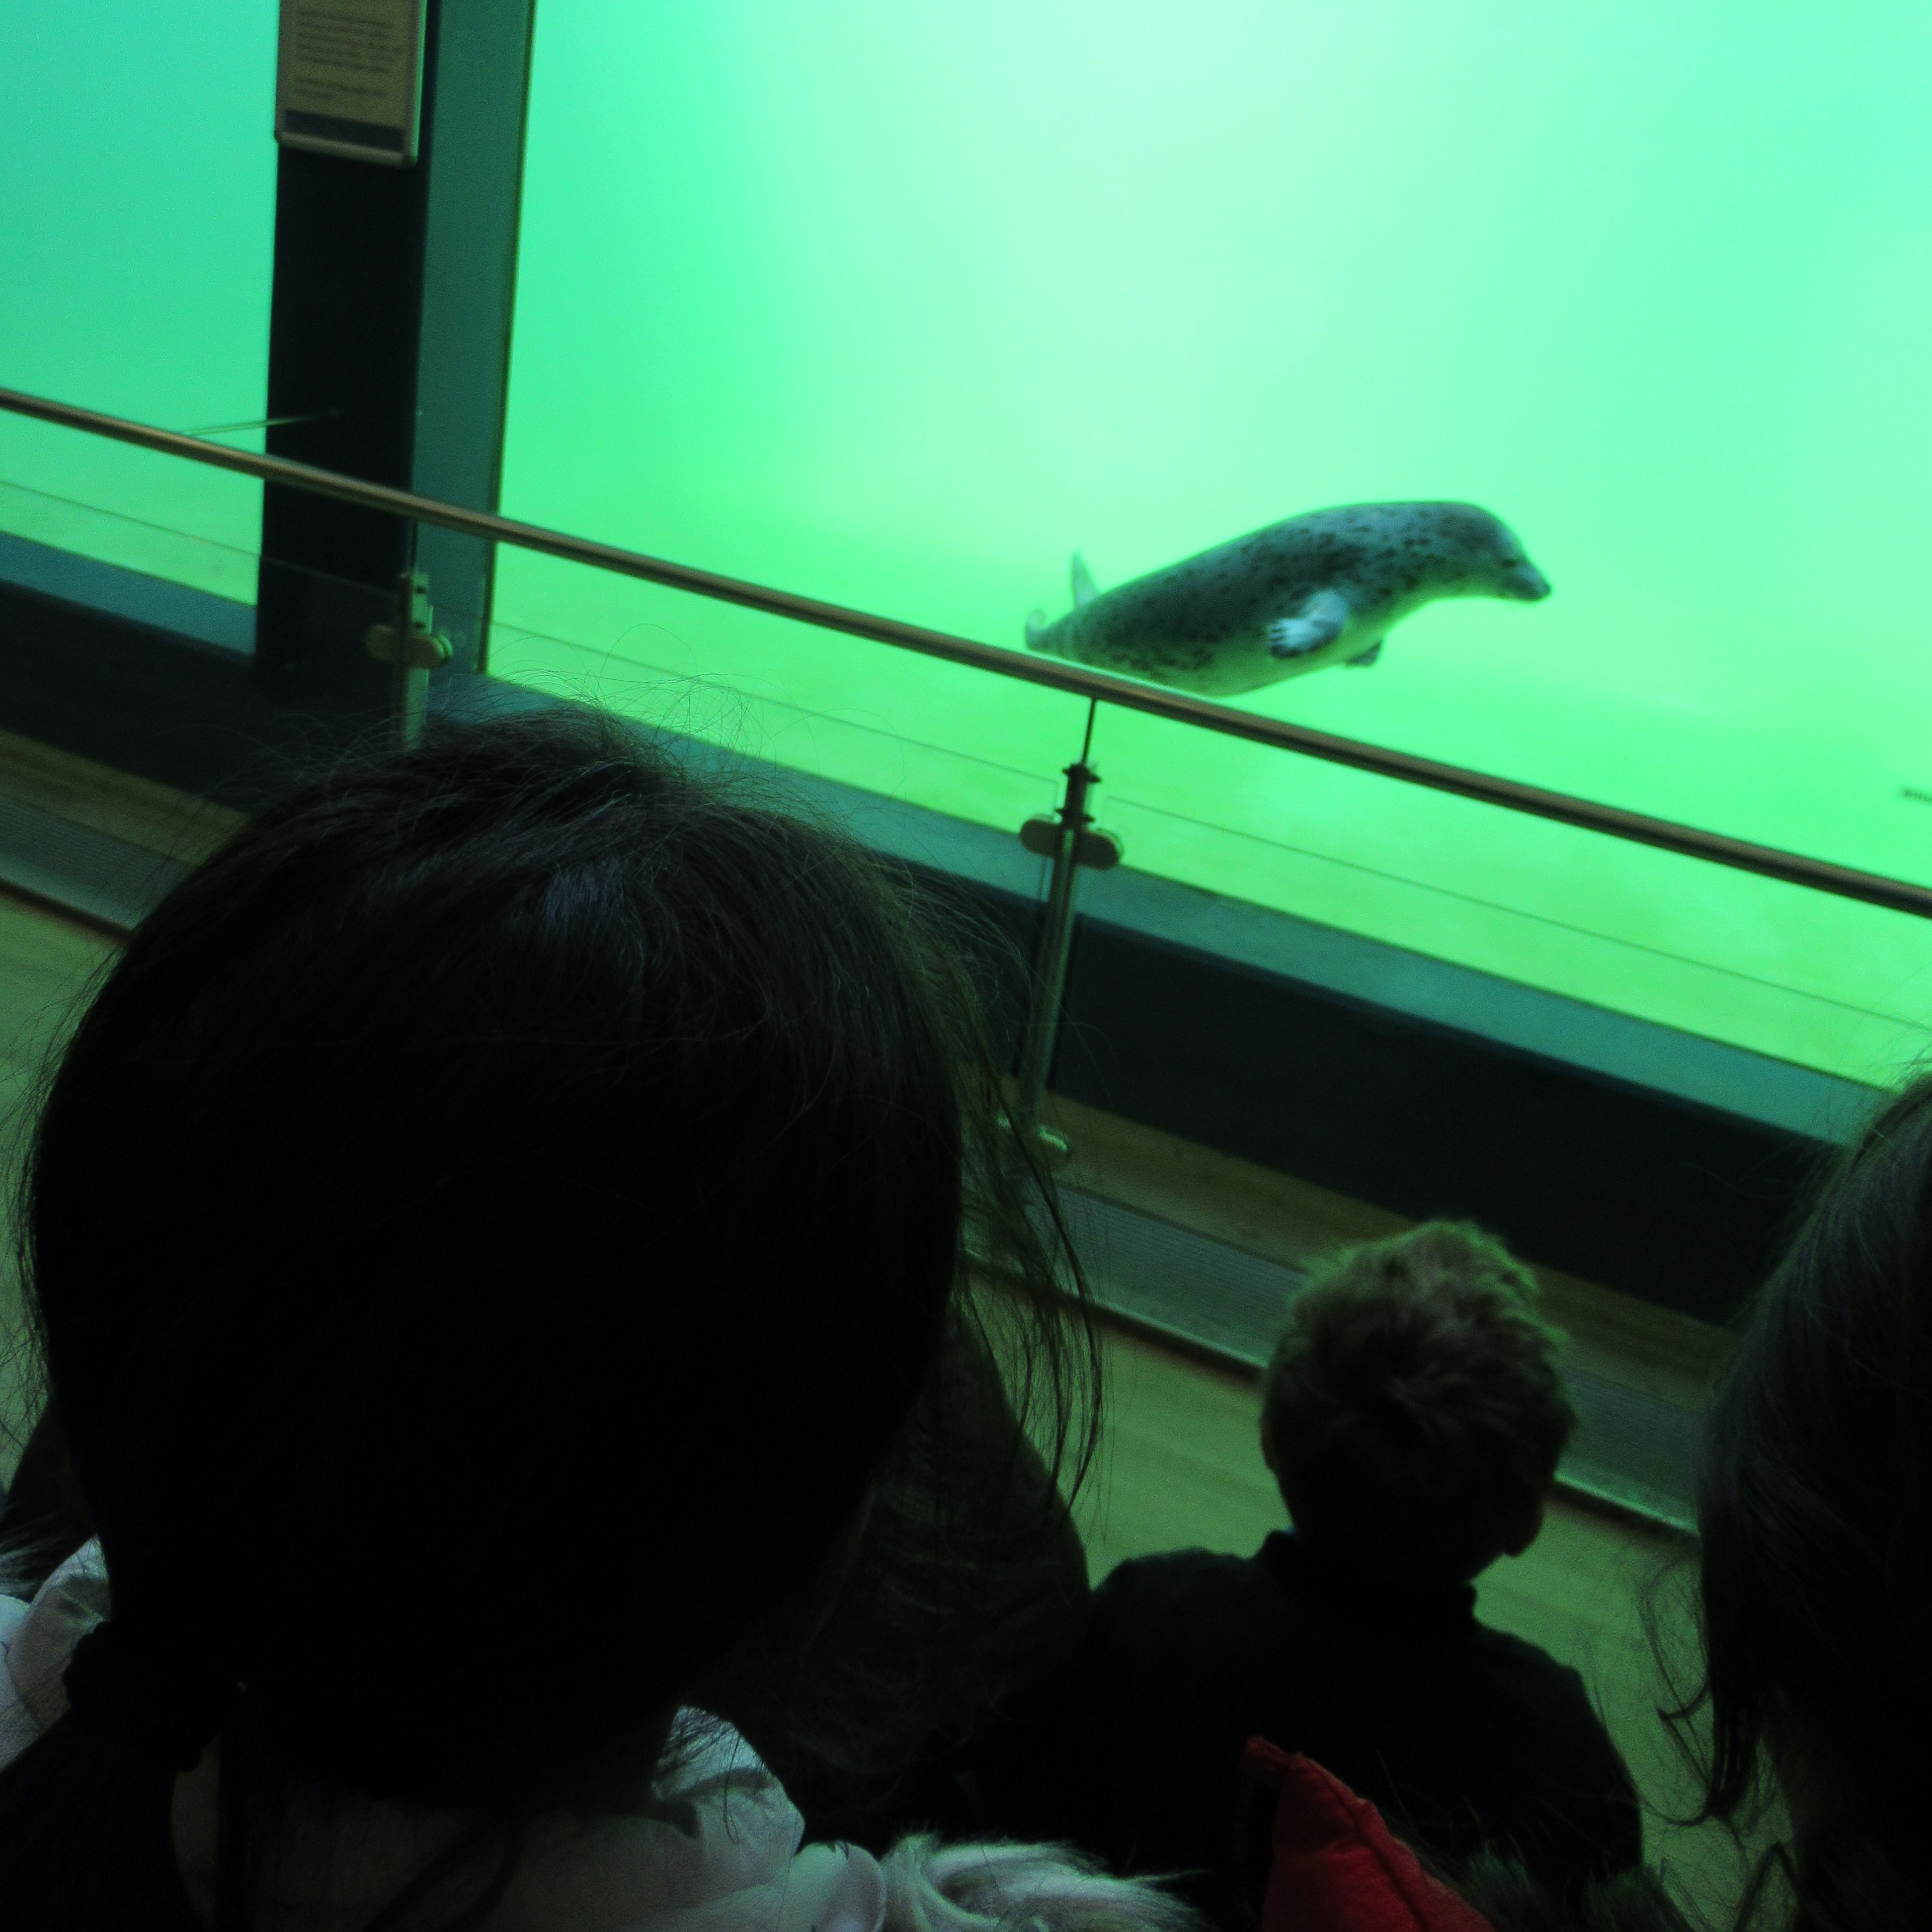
[899, 307]
[137, 186]
[146, 544]
[1777, 969]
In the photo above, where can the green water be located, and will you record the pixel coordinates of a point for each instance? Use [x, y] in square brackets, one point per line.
[898, 306]
[137, 202]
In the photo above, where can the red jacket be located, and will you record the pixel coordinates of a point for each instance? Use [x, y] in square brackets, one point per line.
[1336, 1867]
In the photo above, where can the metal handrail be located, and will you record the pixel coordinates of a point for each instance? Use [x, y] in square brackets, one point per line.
[1740, 855]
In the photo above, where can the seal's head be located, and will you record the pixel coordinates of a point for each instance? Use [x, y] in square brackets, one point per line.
[1480, 556]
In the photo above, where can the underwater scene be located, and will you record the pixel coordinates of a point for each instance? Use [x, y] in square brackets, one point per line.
[1565, 365]
[137, 209]
[961, 316]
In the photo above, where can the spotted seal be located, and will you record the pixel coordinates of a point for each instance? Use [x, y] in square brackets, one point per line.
[1322, 589]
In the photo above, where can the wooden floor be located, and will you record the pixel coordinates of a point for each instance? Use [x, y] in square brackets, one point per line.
[1180, 1464]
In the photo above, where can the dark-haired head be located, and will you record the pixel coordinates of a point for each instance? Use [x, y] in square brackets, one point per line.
[487, 1236]
[1412, 1412]
[1815, 1513]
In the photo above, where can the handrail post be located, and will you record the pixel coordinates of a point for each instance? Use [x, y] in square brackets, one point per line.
[1074, 843]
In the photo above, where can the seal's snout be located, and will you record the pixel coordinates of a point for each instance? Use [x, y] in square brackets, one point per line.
[1526, 581]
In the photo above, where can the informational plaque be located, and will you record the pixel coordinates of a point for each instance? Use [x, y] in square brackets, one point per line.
[348, 79]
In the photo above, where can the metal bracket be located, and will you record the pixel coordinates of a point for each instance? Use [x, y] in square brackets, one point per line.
[1099, 851]
[423, 648]
[428, 648]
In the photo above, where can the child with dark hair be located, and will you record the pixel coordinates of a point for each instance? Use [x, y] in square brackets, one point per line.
[1814, 1510]
[1413, 1416]
[499, 1241]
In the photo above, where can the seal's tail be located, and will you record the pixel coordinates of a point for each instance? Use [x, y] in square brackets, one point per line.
[1085, 592]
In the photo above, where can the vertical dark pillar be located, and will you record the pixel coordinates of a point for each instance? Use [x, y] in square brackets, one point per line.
[390, 325]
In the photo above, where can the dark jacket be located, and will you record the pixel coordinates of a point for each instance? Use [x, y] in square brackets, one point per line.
[1463, 1736]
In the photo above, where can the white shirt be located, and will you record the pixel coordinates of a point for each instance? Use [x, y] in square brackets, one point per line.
[734, 1860]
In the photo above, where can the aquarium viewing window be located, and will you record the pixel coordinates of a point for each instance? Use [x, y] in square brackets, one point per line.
[1586, 916]
[899, 308]
[1190, 1289]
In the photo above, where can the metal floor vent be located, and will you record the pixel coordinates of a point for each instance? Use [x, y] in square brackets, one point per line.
[1631, 1450]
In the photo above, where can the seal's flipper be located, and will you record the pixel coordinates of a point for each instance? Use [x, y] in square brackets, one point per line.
[1297, 637]
[1084, 589]
[1317, 624]
[1368, 656]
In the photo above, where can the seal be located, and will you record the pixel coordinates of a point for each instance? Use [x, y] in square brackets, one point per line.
[1321, 589]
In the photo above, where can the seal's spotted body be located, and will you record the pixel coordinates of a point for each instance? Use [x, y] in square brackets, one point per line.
[1315, 590]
